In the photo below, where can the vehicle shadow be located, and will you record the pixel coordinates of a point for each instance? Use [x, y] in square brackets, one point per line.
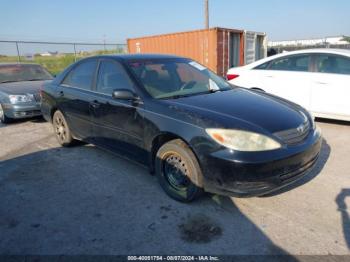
[343, 209]
[333, 121]
[321, 162]
[83, 200]
[37, 119]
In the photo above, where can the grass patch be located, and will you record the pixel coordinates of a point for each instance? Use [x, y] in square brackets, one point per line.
[56, 64]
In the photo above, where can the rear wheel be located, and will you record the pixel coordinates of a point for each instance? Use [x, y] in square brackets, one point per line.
[178, 171]
[61, 128]
[3, 118]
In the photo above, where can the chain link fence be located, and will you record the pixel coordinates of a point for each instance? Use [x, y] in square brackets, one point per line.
[54, 56]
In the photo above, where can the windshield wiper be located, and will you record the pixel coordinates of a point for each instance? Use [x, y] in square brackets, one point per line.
[36, 79]
[194, 94]
[174, 97]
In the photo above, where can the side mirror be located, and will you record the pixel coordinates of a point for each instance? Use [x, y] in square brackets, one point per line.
[124, 94]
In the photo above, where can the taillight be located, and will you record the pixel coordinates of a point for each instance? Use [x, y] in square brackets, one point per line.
[231, 76]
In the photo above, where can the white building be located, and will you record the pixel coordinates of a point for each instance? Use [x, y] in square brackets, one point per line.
[49, 53]
[332, 40]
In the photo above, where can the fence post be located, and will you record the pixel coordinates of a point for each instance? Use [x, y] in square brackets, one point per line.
[75, 53]
[18, 55]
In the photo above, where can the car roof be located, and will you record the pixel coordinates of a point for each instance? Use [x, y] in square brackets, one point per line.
[321, 50]
[140, 56]
[344, 52]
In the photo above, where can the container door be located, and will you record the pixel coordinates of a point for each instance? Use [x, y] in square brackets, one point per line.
[260, 47]
[234, 49]
[249, 54]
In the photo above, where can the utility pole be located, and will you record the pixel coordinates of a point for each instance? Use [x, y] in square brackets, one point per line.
[206, 11]
[104, 42]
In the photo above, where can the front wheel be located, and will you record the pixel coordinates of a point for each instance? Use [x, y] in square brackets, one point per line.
[3, 118]
[61, 128]
[178, 171]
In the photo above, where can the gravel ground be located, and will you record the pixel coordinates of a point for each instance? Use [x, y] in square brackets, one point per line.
[83, 200]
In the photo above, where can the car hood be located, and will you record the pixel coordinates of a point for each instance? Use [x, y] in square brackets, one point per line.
[241, 109]
[23, 87]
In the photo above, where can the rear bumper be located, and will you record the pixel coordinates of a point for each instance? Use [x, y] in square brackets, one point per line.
[253, 174]
[22, 111]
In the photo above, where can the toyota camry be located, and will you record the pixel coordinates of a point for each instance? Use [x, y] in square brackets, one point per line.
[195, 131]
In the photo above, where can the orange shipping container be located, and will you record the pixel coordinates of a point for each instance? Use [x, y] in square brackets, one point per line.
[216, 48]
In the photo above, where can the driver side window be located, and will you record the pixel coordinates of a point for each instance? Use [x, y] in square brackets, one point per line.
[111, 76]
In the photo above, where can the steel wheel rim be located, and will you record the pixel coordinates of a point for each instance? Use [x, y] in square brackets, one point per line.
[60, 128]
[175, 172]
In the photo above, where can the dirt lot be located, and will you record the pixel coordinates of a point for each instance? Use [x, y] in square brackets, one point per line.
[83, 200]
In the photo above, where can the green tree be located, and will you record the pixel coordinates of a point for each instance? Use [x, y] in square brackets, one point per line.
[346, 38]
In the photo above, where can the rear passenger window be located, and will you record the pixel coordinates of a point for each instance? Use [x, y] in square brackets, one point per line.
[82, 75]
[333, 64]
[262, 66]
[291, 63]
[112, 76]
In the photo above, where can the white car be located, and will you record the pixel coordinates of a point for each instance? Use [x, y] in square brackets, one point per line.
[317, 79]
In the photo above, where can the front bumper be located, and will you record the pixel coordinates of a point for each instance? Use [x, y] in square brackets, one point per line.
[24, 110]
[246, 174]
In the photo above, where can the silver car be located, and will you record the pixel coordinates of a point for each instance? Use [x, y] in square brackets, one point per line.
[20, 90]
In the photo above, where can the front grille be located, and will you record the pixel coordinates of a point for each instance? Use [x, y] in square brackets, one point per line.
[27, 113]
[295, 135]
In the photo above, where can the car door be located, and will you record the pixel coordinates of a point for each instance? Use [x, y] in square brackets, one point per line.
[117, 124]
[331, 86]
[74, 97]
[287, 77]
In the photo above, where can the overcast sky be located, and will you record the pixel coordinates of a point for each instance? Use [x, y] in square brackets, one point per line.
[116, 20]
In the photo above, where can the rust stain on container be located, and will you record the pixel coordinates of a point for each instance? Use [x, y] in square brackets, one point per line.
[216, 48]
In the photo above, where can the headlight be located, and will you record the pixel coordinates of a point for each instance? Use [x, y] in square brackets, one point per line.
[242, 140]
[21, 98]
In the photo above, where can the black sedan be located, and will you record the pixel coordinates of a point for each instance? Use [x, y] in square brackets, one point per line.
[194, 130]
[19, 90]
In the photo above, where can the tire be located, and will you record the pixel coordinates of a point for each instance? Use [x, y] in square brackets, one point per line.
[178, 171]
[61, 129]
[3, 118]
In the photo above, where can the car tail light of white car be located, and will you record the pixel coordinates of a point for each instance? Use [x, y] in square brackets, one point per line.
[231, 76]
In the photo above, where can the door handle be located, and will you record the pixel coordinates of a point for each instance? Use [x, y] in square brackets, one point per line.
[95, 104]
[321, 83]
[61, 93]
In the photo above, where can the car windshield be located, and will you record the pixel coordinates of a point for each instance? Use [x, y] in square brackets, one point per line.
[22, 72]
[169, 78]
